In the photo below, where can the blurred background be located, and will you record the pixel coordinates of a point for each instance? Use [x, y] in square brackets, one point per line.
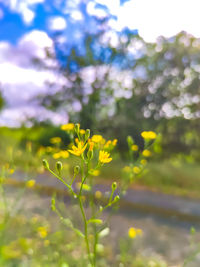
[117, 67]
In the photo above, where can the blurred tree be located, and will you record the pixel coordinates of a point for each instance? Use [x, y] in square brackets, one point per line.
[122, 85]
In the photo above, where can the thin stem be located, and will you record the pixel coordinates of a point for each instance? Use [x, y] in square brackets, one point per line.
[59, 178]
[85, 230]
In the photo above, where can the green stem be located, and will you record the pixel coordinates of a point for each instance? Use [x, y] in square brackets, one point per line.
[59, 178]
[85, 230]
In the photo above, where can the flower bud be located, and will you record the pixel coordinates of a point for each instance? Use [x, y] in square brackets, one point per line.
[76, 170]
[45, 164]
[59, 166]
[130, 140]
[114, 186]
[90, 154]
[116, 199]
[77, 128]
[87, 134]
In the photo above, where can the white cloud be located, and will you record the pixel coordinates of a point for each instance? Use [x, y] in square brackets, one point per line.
[98, 12]
[21, 81]
[76, 15]
[23, 7]
[57, 23]
[153, 18]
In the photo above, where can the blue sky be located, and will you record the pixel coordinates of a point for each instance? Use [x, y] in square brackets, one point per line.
[27, 28]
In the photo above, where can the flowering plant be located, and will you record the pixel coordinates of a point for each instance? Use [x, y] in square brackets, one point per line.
[92, 153]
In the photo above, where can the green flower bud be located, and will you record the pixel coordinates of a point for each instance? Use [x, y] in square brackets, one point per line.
[90, 155]
[130, 140]
[59, 166]
[87, 134]
[77, 128]
[76, 170]
[45, 164]
[114, 186]
[116, 199]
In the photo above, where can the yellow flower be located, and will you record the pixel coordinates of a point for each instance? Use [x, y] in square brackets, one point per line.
[56, 155]
[11, 171]
[91, 146]
[30, 183]
[64, 154]
[42, 231]
[67, 127]
[146, 153]
[77, 151]
[136, 170]
[82, 131]
[134, 147]
[97, 138]
[134, 232]
[49, 149]
[143, 162]
[149, 135]
[108, 143]
[127, 169]
[55, 140]
[114, 142]
[94, 172]
[103, 141]
[104, 157]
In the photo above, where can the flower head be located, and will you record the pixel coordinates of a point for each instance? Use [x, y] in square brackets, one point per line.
[134, 148]
[136, 169]
[30, 183]
[42, 231]
[149, 135]
[67, 127]
[91, 146]
[79, 149]
[134, 232]
[104, 157]
[146, 153]
[82, 131]
[97, 138]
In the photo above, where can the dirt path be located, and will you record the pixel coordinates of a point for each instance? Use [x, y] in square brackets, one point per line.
[135, 199]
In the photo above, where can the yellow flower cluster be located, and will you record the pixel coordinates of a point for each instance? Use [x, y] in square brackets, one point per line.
[149, 135]
[134, 232]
